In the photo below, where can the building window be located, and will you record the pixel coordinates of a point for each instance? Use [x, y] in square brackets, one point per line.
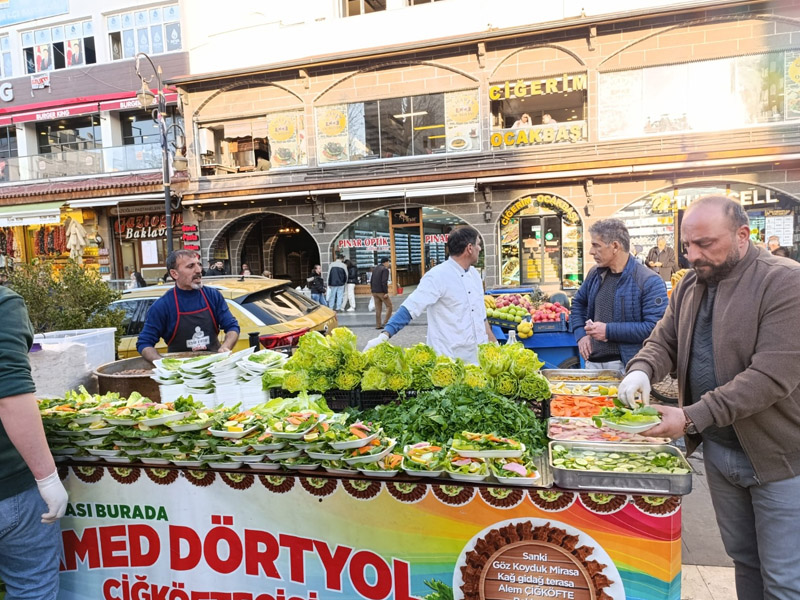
[351, 8]
[70, 45]
[76, 133]
[155, 30]
[5, 57]
[8, 150]
[139, 127]
[397, 127]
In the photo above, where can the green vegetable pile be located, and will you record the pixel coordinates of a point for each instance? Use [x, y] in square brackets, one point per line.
[514, 371]
[387, 369]
[437, 416]
[323, 363]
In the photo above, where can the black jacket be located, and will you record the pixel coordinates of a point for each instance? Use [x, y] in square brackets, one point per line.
[337, 276]
[352, 274]
[380, 280]
[315, 283]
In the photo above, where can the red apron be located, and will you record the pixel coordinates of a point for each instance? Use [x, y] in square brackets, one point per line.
[193, 329]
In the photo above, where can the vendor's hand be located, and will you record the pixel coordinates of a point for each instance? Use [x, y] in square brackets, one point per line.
[658, 264]
[635, 382]
[385, 296]
[223, 349]
[585, 347]
[383, 337]
[672, 423]
[596, 330]
[55, 496]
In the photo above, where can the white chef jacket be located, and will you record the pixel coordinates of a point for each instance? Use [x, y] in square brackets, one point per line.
[453, 298]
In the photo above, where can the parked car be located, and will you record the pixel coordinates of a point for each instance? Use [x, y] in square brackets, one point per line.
[270, 307]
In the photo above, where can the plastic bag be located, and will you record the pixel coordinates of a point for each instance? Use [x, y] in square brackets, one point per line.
[372, 304]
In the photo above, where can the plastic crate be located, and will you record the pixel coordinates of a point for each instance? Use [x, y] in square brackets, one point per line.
[546, 326]
[372, 398]
[100, 347]
[340, 399]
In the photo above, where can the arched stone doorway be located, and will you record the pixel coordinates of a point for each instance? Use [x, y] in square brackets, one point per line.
[541, 243]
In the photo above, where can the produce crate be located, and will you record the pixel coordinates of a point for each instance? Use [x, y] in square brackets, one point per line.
[548, 326]
[507, 325]
[340, 399]
[373, 398]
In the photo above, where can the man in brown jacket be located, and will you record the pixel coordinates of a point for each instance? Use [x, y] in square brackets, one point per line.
[732, 332]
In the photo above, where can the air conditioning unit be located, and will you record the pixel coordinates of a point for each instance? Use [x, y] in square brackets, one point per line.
[205, 141]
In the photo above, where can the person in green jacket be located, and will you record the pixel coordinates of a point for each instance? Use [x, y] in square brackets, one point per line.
[32, 498]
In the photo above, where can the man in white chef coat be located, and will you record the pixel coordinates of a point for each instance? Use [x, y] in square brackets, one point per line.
[452, 293]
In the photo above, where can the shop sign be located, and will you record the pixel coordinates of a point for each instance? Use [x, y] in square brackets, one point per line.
[523, 89]
[436, 238]
[6, 92]
[364, 242]
[41, 81]
[145, 226]
[679, 199]
[409, 216]
[136, 209]
[568, 213]
[138, 533]
[194, 247]
[573, 131]
[133, 103]
[57, 113]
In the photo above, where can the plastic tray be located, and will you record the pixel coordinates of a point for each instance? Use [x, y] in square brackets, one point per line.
[654, 484]
[568, 375]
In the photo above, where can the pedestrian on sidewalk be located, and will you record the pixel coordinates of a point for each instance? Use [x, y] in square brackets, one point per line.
[337, 279]
[379, 284]
[732, 333]
[350, 289]
[317, 285]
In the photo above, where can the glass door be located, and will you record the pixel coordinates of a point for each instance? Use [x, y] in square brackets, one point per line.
[540, 249]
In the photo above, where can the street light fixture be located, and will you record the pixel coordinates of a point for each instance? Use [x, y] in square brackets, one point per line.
[147, 98]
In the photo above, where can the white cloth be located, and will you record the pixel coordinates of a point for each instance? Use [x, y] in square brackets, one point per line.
[453, 298]
[76, 240]
[349, 296]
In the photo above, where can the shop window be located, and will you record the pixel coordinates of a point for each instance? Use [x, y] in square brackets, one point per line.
[5, 57]
[538, 111]
[752, 90]
[8, 151]
[237, 146]
[351, 8]
[77, 133]
[139, 127]
[398, 127]
[155, 30]
[70, 45]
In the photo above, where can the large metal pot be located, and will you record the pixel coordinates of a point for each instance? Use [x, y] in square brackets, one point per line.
[108, 381]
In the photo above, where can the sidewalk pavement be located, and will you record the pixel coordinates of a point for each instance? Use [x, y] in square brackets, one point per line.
[707, 571]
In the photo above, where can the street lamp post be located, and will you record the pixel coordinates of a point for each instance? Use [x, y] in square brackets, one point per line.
[146, 99]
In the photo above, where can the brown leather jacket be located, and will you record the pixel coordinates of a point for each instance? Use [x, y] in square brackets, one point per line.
[756, 339]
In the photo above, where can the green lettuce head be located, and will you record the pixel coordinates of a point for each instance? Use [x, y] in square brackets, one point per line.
[374, 379]
[534, 387]
[506, 385]
[447, 372]
[347, 380]
[420, 357]
[492, 358]
[475, 378]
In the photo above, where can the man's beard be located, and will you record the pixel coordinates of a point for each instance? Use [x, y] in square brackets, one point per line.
[717, 272]
[196, 284]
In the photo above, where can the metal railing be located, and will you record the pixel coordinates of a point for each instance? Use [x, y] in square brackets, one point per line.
[71, 162]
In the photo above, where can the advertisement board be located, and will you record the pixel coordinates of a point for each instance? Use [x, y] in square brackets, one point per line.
[146, 533]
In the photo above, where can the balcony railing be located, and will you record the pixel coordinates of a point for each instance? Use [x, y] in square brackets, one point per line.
[81, 162]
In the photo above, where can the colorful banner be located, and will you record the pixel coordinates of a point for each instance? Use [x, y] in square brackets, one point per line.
[332, 143]
[462, 121]
[285, 139]
[136, 534]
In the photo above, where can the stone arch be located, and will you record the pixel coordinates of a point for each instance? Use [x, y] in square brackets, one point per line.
[363, 81]
[634, 54]
[553, 59]
[252, 91]
[553, 202]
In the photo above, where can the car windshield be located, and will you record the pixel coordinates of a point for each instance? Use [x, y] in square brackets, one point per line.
[277, 305]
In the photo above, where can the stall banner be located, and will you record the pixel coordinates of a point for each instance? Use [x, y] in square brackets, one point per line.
[143, 534]
[332, 143]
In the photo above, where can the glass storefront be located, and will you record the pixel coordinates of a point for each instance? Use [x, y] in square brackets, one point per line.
[141, 241]
[771, 213]
[68, 135]
[414, 239]
[541, 243]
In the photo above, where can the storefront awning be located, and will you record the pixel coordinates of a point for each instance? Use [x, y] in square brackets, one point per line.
[408, 190]
[114, 201]
[44, 213]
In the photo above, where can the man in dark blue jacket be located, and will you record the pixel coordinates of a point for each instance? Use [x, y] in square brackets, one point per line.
[618, 304]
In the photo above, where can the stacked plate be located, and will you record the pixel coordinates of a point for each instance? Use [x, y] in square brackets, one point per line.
[226, 377]
[170, 382]
[251, 371]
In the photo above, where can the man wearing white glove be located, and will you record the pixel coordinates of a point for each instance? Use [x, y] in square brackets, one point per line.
[635, 388]
[32, 498]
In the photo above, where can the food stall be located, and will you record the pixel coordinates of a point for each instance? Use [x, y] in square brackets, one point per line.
[289, 500]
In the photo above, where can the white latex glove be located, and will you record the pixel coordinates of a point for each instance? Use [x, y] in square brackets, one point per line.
[634, 382]
[53, 493]
[378, 340]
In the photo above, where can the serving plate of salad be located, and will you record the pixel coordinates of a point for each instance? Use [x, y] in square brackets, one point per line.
[154, 460]
[266, 443]
[486, 445]
[629, 420]
[515, 471]
[337, 467]
[325, 452]
[118, 460]
[224, 433]
[89, 441]
[250, 458]
[465, 468]
[296, 425]
[388, 466]
[225, 464]
[357, 435]
[265, 466]
[372, 452]
[423, 459]
[88, 419]
[285, 454]
[161, 416]
[300, 463]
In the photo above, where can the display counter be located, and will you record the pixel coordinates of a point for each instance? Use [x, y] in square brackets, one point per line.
[141, 533]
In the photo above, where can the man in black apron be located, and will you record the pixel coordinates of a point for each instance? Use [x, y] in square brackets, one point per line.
[188, 317]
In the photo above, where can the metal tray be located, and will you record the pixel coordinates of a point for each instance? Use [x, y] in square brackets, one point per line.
[663, 484]
[559, 374]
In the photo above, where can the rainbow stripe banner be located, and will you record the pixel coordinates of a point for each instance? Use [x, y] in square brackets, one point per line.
[148, 533]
